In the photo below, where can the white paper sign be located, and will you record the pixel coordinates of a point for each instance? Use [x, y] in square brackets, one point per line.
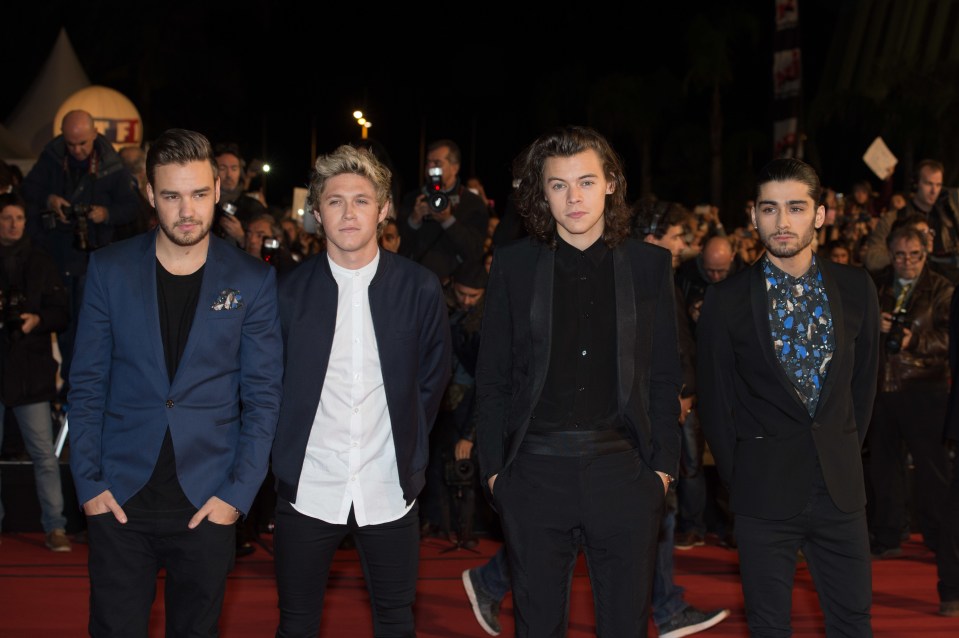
[880, 159]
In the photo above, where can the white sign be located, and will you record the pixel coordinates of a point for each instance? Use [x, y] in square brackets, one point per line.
[880, 159]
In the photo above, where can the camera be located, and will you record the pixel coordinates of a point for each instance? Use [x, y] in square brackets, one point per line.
[228, 208]
[435, 197]
[12, 303]
[269, 249]
[459, 473]
[895, 334]
[74, 214]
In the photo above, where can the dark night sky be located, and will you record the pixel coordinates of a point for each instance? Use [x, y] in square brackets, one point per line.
[264, 75]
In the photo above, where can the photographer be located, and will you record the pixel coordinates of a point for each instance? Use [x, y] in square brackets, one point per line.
[34, 304]
[443, 224]
[448, 503]
[264, 239]
[77, 194]
[913, 389]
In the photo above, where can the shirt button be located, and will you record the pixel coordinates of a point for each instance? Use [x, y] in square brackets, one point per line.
[583, 353]
[582, 388]
[169, 403]
[353, 478]
[356, 410]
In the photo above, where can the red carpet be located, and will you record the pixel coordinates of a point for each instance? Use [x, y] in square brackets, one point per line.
[45, 594]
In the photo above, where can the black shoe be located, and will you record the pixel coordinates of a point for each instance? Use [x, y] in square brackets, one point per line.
[882, 551]
[485, 608]
[688, 540]
[729, 542]
[691, 621]
[244, 549]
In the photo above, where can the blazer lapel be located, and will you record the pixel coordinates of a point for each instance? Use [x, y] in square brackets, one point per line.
[625, 323]
[541, 318]
[760, 304]
[151, 309]
[212, 271]
[834, 298]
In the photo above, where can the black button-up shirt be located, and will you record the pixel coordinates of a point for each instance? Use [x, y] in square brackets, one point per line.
[580, 388]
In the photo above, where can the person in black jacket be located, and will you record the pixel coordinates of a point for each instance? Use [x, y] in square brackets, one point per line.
[77, 195]
[34, 304]
[787, 355]
[441, 238]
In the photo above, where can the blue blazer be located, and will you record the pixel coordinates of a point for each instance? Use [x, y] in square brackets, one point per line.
[413, 341]
[223, 403]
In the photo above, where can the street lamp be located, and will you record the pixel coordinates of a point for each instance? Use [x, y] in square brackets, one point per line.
[363, 122]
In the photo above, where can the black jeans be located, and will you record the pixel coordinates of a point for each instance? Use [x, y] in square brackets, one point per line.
[947, 556]
[124, 561]
[303, 552]
[550, 507]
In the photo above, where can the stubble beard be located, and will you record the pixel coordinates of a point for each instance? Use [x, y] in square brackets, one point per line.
[785, 251]
[185, 240]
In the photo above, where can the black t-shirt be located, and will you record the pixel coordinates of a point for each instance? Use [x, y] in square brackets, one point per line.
[177, 298]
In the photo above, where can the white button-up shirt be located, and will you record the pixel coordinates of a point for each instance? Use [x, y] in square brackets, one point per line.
[350, 457]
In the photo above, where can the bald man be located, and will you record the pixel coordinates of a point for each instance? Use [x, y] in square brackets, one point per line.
[77, 194]
[715, 262]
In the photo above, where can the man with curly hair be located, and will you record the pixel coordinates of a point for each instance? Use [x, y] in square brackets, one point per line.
[578, 386]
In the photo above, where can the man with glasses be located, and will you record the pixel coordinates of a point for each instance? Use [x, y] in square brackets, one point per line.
[913, 390]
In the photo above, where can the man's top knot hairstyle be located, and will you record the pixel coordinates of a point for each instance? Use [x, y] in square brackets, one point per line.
[787, 169]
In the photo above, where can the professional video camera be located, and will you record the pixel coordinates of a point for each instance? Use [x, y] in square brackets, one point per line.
[12, 303]
[895, 334]
[75, 214]
[435, 197]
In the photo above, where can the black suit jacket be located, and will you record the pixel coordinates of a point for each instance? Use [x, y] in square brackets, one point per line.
[764, 442]
[515, 347]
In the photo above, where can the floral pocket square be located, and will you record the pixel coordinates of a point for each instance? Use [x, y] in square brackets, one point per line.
[228, 299]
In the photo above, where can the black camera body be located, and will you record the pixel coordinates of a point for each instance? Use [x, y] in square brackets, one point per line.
[459, 473]
[74, 214]
[269, 249]
[12, 304]
[438, 200]
[895, 334]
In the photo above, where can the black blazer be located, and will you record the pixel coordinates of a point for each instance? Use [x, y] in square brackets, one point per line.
[515, 347]
[765, 444]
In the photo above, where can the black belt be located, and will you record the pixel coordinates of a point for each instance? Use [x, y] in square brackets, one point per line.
[576, 443]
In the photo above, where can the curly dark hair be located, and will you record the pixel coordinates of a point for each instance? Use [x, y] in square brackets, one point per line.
[565, 142]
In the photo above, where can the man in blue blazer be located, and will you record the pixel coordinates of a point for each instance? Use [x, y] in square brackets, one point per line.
[367, 357]
[175, 392]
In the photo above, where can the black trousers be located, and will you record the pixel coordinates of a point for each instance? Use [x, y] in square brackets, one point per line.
[550, 507]
[836, 547]
[303, 552]
[914, 417]
[947, 556]
[125, 558]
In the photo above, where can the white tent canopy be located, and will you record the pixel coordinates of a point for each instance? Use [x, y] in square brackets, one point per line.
[59, 78]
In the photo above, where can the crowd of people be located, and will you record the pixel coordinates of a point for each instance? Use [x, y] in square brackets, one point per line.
[567, 368]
